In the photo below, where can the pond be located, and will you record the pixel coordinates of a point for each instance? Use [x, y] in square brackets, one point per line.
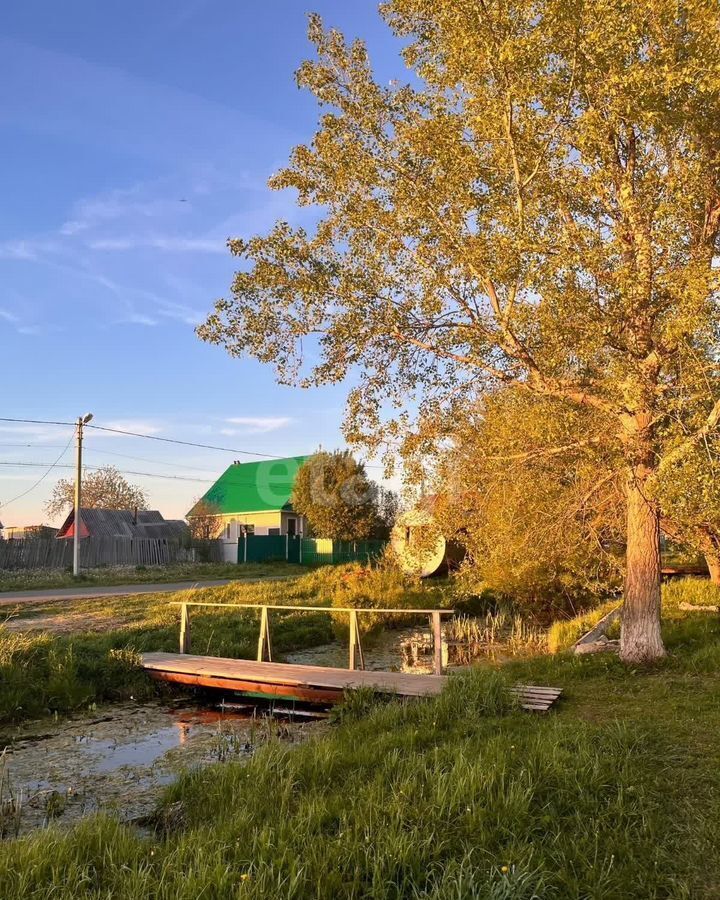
[120, 759]
[406, 649]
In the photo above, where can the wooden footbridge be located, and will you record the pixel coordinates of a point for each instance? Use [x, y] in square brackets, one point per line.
[263, 678]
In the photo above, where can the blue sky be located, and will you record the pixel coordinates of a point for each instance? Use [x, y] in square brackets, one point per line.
[136, 138]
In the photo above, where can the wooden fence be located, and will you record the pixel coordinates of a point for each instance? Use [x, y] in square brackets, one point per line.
[35, 553]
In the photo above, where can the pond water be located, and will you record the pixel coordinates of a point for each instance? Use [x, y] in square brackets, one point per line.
[392, 649]
[120, 760]
[408, 649]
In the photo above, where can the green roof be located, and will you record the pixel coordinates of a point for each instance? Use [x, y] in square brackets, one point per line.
[254, 487]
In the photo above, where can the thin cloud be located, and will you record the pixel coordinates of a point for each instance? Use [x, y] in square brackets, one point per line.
[33, 434]
[138, 426]
[180, 313]
[168, 243]
[135, 318]
[256, 424]
[26, 249]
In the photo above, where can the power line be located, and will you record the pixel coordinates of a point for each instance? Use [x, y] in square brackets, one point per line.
[36, 421]
[43, 476]
[155, 437]
[30, 465]
[163, 462]
[24, 465]
[150, 437]
[36, 444]
[104, 451]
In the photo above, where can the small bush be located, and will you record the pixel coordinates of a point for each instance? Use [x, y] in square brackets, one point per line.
[382, 586]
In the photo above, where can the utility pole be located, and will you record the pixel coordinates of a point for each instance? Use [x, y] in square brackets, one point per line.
[82, 420]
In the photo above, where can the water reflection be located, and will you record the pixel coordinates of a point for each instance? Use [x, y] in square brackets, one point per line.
[120, 761]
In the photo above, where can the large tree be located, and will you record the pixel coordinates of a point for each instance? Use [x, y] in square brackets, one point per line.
[105, 488]
[335, 495]
[539, 206]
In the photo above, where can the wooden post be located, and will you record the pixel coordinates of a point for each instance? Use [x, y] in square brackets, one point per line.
[264, 643]
[353, 629]
[184, 629]
[355, 645]
[437, 642]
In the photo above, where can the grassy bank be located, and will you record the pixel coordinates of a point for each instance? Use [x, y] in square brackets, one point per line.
[614, 795]
[41, 579]
[65, 655]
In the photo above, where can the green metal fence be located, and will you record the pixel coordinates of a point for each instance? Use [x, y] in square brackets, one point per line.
[307, 551]
[264, 548]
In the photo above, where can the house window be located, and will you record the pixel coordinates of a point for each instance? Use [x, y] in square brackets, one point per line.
[227, 532]
[274, 531]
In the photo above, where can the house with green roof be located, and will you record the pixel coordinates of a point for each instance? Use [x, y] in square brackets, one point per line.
[252, 498]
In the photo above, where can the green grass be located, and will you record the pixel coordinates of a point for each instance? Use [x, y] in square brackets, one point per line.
[42, 672]
[565, 632]
[615, 795]
[40, 579]
[91, 653]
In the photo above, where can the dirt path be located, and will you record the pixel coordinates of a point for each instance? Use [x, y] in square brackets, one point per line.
[12, 598]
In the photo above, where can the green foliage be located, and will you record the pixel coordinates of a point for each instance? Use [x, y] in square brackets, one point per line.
[357, 704]
[687, 487]
[537, 205]
[563, 633]
[495, 633]
[529, 486]
[335, 495]
[42, 672]
[381, 586]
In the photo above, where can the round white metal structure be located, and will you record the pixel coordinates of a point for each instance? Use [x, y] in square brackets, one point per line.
[419, 544]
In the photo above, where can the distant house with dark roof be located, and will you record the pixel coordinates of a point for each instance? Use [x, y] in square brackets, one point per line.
[113, 523]
[253, 497]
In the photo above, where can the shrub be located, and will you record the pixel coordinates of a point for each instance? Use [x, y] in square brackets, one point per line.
[382, 587]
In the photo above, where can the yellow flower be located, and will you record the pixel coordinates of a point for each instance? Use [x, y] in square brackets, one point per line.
[244, 876]
[504, 869]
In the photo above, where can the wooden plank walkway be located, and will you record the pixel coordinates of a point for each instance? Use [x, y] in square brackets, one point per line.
[314, 684]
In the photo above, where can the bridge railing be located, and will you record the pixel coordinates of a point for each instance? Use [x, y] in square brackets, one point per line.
[355, 651]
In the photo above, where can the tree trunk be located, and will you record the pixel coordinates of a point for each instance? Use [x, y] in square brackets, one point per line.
[640, 637]
[713, 564]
